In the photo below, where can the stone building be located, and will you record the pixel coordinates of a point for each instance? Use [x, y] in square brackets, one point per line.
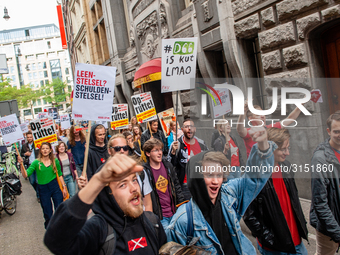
[249, 43]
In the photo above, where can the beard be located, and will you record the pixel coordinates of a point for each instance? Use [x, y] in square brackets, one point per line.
[132, 211]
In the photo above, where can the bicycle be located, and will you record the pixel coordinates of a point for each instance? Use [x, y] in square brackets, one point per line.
[8, 200]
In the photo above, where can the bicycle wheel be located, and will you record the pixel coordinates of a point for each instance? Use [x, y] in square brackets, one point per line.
[9, 201]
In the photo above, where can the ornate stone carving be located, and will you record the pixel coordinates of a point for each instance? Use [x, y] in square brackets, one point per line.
[140, 6]
[208, 15]
[150, 46]
[163, 20]
[132, 37]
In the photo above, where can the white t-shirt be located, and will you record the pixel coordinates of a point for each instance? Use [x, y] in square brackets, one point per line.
[147, 187]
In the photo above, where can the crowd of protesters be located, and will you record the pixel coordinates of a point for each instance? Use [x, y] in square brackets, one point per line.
[144, 189]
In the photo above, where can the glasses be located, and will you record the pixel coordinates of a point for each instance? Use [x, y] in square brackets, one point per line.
[118, 148]
[188, 126]
[285, 149]
[159, 150]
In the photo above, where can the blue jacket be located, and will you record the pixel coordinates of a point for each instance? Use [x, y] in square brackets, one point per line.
[236, 195]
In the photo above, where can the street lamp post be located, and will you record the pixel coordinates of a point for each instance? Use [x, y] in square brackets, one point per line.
[6, 16]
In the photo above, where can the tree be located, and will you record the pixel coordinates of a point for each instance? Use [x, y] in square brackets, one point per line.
[25, 96]
[55, 92]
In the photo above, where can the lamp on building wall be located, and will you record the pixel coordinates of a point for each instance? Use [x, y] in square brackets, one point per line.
[6, 16]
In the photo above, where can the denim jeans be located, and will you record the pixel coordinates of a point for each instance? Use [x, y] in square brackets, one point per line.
[70, 184]
[34, 182]
[79, 169]
[47, 192]
[300, 250]
[166, 221]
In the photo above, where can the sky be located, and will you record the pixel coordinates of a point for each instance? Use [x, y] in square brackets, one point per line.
[25, 13]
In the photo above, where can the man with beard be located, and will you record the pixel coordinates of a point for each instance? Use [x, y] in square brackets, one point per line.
[97, 152]
[29, 153]
[189, 145]
[212, 217]
[114, 196]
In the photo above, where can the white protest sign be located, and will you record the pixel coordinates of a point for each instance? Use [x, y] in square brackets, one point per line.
[178, 63]
[93, 92]
[144, 107]
[42, 115]
[24, 127]
[104, 123]
[120, 116]
[224, 98]
[43, 131]
[65, 121]
[10, 129]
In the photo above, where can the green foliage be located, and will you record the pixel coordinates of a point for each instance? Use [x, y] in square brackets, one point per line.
[55, 92]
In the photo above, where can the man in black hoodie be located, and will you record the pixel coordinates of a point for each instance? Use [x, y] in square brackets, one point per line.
[97, 152]
[114, 196]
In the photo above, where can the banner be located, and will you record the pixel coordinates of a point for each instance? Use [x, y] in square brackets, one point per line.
[218, 108]
[178, 63]
[24, 127]
[120, 116]
[144, 107]
[93, 92]
[65, 121]
[43, 131]
[165, 118]
[10, 129]
[53, 113]
[42, 115]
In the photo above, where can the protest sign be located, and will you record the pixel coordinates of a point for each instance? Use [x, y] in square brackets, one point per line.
[24, 127]
[104, 123]
[53, 113]
[178, 63]
[42, 115]
[80, 125]
[120, 116]
[144, 107]
[10, 129]
[93, 92]
[65, 121]
[43, 131]
[218, 108]
[165, 118]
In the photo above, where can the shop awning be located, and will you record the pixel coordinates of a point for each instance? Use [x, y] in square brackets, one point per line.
[148, 72]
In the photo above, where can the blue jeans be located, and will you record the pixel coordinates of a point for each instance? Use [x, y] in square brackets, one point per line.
[166, 221]
[48, 191]
[79, 169]
[300, 250]
[70, 184]
[34, 182]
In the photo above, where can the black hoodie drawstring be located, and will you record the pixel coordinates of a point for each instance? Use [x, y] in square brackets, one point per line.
[125, 223]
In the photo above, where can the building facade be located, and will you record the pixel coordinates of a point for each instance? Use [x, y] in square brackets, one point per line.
[35, 56]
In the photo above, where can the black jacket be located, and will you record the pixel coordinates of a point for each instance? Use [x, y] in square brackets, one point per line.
[175, 188]
[159, 135]
[180, 159]
[69, 231]
[96, 156]
[219, 146]
[325, 207]
[265, 219]
[25, 148]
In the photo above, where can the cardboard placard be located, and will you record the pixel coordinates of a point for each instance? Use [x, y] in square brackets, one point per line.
[65, 121]
[43, 131]
[10, 129]
[144, 107]
[42, 115]
[120, 116]
[165, 118]
[93, 92]
[218, 108]
[24, 127]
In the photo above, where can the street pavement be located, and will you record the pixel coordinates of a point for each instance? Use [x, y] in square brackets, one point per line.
[23, 232]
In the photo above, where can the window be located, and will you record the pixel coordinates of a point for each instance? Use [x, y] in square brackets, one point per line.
[61, 53]
[41, 83]
[29, 57]
[36, 84]
[28, 67]
[39, 66]
[34, 66]
[11, 69]
[68, 80]
[30, 76]
[69, 88]
[56, 69]
[67, 70]
[27, 32]
[40, 56]
[27, 112]
[37, 110]
[39, 101]
[60, 107]
[35, 75]
[41, 74]
[44, 65]
[47, 82]
[51, 54]
[13, 78]
[48, 44]
[44, 101]
[45, 74]
[34, 102]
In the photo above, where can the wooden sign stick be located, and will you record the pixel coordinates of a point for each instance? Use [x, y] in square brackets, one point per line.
[87, 149]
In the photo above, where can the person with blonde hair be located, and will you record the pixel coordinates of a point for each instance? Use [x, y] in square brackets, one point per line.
[275, 217]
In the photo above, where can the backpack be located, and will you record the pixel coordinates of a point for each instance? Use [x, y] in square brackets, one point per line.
[109, 245]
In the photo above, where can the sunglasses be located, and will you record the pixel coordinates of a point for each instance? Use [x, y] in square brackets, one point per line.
[118, 148]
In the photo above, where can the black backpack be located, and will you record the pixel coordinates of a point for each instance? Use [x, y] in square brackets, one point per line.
[109, 245]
